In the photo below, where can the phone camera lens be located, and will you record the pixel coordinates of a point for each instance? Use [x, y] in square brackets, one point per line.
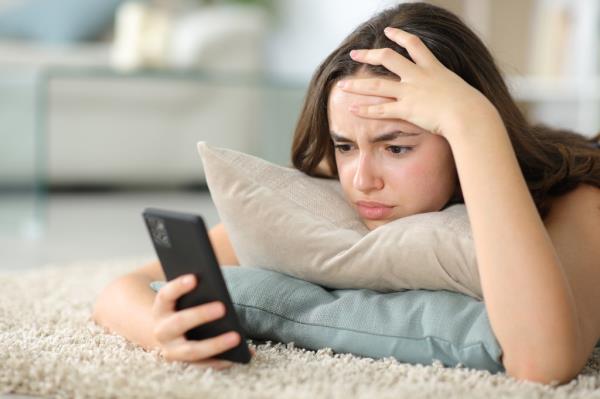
[159, 232]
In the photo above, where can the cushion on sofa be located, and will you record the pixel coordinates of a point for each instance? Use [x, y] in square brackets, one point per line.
[57, 21]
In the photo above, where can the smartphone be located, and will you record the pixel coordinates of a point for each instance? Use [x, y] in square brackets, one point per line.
[182, 245]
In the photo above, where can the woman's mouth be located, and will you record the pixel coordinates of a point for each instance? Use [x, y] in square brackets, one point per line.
[373, 210]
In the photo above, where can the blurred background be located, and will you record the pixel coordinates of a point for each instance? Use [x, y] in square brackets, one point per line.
[102, 102]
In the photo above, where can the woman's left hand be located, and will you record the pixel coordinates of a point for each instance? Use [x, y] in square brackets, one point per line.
[428, 94]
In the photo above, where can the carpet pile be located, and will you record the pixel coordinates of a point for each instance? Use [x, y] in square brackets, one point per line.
[49, 346]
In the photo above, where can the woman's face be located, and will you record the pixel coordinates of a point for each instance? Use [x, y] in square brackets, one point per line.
[411, 173]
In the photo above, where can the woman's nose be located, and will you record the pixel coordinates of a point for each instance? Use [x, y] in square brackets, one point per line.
[366, 177]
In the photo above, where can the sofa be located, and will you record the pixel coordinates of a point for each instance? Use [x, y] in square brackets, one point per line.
[97, 126]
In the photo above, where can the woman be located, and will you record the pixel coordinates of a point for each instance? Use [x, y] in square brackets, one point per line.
[412, 119]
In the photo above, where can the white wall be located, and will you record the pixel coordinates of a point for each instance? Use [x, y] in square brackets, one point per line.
[308, 30]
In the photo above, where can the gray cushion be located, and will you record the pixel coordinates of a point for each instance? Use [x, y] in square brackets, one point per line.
[415, 326]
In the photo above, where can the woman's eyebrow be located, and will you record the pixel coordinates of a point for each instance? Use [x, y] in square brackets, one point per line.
[384, 137]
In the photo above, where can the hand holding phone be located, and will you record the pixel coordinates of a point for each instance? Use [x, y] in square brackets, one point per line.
[188, 321]
[171, 325]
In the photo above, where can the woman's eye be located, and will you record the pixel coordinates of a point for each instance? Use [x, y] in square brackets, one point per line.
[342, 147]
[398, 149]
[394, 149]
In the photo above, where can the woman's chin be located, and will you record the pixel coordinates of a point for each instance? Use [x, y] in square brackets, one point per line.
[373, 224]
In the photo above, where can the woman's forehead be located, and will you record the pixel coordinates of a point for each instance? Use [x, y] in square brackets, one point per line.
[340, 101]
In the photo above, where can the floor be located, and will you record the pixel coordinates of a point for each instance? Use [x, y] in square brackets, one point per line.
[88, 226]
[91, 225]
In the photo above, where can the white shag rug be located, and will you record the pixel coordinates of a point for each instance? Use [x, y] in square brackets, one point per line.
[49, 346]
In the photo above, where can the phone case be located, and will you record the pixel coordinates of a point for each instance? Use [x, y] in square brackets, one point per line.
[182, 245]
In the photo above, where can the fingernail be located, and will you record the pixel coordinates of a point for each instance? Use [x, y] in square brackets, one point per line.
[341, 83]
[188, 280]
[387, 30]
[353, 108]
[353, 53]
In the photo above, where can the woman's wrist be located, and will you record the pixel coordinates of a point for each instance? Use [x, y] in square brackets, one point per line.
[474, 120]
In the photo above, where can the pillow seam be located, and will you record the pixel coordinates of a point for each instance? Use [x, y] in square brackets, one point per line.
[364, 332]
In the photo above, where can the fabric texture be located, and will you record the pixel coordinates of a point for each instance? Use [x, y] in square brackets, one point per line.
[281, 219]
[58, 21]
[50, 347]
[416, 326]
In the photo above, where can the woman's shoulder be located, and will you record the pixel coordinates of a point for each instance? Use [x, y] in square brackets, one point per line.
[573, 225]
[583, 199]
[585, 190]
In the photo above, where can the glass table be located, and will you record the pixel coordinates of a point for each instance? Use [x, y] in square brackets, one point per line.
[22, 195]
[25, 109]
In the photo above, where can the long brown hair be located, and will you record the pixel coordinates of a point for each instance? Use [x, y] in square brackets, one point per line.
[553, 161]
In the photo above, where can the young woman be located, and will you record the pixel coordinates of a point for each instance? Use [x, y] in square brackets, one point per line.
[411, 114]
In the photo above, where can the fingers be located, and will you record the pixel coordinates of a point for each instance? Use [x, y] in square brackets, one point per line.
[176, 324]
[417, 50]
[191, 350]
[371, 87]
[387, 57]
[379, 111]
[394, 61]
[171, 326]
[375, 87]
[167, 296]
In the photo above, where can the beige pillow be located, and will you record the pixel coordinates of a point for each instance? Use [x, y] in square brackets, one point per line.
[281, 219]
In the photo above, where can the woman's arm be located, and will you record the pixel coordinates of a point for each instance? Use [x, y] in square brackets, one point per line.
[526, 292]
[222, 246]
[125, 308]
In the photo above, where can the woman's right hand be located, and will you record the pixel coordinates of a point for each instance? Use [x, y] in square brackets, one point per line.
[170, 326]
